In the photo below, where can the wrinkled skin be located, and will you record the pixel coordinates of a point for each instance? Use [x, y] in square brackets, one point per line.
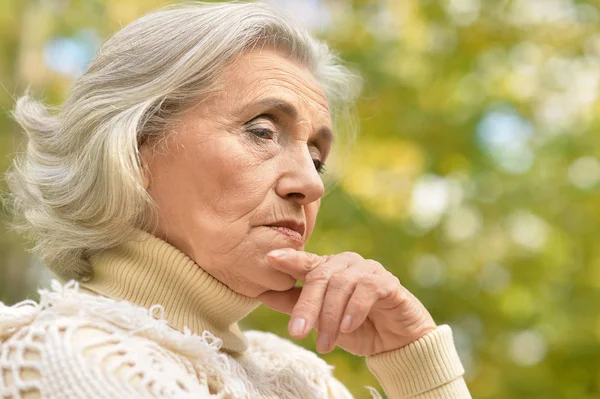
[246, 159]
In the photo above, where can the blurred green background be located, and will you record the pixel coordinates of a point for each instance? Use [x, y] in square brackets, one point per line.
[476, 177]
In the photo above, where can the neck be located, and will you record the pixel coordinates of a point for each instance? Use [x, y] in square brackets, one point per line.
[148, 271]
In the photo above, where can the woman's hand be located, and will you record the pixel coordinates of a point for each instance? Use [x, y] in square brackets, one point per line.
[353, 303]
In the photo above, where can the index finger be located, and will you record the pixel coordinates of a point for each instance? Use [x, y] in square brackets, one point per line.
[295, 263]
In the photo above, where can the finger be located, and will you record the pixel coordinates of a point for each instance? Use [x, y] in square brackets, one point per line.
[370, 289]
[340, 289]
[281, 301]
[295, 263]
[308, 308]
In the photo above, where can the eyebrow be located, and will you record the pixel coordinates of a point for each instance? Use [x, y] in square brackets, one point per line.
[324, 133]
[281, 105]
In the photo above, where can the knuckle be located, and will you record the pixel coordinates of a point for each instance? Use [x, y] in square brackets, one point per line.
[328, 317]
[393, 284]
[320, 274]
[360, 306]
[340, 281]
[374, 265]
[351, 256]
[403, 296]
[327, 258]
[311, 257]
[311, 261]
[382, 292]
[370, 282]
[308, 266]
[376, 287]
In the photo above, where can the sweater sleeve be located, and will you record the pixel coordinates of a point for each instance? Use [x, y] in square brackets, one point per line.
[68, 358]
[429, 368]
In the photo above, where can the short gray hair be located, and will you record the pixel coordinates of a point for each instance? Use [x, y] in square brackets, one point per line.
[78, 188]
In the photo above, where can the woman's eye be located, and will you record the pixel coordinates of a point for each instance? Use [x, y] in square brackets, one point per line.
[263, 133]
[319, 166]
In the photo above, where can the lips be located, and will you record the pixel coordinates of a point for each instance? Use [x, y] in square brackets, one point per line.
[290, 228]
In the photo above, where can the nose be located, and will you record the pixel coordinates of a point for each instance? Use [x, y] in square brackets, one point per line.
[299, 180]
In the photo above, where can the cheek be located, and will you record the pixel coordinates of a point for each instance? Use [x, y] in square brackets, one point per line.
[239, 182]
[207, 185]
[230, 196]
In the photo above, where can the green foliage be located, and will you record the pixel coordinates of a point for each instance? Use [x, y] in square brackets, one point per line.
[475, 179]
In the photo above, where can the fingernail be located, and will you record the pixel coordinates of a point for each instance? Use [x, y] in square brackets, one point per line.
[278, 253]
[346, 322]
[297, 326]
[323, 342]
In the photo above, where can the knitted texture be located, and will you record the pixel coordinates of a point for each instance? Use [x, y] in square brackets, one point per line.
[77, 345]
[401, 371]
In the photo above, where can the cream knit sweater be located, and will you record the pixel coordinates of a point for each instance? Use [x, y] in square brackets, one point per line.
[152, 324]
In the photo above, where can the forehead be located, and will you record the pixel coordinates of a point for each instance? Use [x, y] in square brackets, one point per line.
[265, 73]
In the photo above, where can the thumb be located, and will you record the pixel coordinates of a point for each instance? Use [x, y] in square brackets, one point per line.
[281, 301]
[294, 263]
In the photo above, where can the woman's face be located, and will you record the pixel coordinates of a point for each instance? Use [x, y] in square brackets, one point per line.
[239, 176]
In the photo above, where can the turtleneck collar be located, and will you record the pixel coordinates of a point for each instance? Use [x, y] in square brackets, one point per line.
[148, 271]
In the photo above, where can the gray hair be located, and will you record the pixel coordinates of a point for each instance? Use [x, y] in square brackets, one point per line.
[78, 188]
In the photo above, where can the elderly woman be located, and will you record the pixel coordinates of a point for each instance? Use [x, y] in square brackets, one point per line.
[176, 189]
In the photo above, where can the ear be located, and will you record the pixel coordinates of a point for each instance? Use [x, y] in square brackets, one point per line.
[145, 157]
